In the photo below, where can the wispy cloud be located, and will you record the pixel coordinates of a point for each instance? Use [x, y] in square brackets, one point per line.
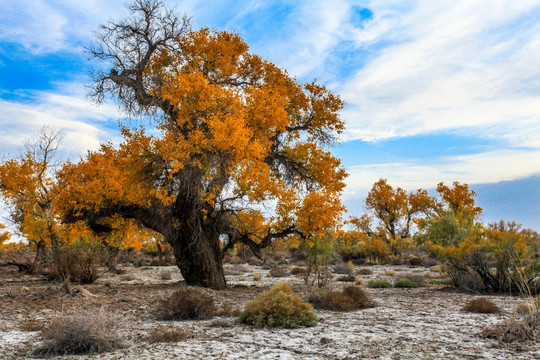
[443, 66]
[84, 124]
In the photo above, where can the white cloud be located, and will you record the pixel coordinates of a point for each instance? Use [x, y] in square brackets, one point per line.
[484, 167]
[84, 124]
[449, 65]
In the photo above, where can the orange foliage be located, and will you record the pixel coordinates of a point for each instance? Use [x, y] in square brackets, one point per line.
[243, 132]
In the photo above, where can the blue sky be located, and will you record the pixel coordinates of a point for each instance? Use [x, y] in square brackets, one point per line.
[435, 90]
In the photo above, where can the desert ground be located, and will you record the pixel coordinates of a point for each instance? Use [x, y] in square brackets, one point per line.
[418, 323]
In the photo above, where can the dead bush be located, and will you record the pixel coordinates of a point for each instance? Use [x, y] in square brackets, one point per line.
[79, 262]
[526, 329]
[278, 272]
[346, 278]
[298, 271]
[481, 306]
[31, 326]
[187, 304]
[257, 276]
[228, 309]
[343, 269]
[365, 271]
[86, 333]
[165, 274]
[278, 307]
[419, 279]
[163, 333]
[349, 299]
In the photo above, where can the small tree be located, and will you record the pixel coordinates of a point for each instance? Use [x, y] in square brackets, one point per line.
[27, 186]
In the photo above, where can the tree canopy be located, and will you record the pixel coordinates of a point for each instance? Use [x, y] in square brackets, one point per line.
[238, 153]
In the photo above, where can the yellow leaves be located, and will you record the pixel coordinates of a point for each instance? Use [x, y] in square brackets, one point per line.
[4, 234]
[459, 198]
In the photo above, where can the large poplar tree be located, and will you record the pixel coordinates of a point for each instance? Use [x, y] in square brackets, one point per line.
[238, 154]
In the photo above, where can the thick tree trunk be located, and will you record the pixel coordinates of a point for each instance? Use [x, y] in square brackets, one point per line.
[40, 250]
[199, 258]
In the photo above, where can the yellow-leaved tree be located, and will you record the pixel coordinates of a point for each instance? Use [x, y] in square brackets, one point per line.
[238, 154]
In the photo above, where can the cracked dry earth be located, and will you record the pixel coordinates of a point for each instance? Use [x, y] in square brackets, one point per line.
[423, 323]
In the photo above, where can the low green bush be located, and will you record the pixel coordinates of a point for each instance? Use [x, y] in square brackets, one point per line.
[379, 283]
[278, 307]
[405, 283]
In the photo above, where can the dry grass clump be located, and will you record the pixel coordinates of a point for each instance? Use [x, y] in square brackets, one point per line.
[228, 309]
[481, 306]
[298, 271]
[31, 326]
[165, 274]
[278, 272]
[163, 334]
[257, 276]
[418, 279]
[365, 271]
[187, 304]
[89, 332]
[343, 269]
[278, 307]
[526, 329]
[349, 299]
[347, 278]
[390, 273]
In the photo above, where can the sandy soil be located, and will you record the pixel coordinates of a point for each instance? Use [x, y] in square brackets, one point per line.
[423, 323]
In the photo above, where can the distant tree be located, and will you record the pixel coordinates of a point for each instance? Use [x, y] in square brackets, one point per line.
[457, 199]
[238, 155]
[27, 187]
[394, 209]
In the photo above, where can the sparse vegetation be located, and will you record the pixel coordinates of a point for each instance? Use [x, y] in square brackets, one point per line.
[165, 333]
[481, 306]
[365, 271]
[405, 283]
[379, 283]
[526, 329]
[278, 272]
[278, 307]
[84, 333]
[187, 304]
[349, 299]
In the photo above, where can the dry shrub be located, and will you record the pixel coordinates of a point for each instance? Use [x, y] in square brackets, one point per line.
[222, 323]
[237, 270]
[298, 271]
[31, 326]
[349, 299]
[279, 307]
[162, 334]
[89, 332]
[257, 276]
[418, 279]
[79, 262]
[481, 306]
[416, 261]
[390, 273]
[228, 309]
[343, 269]
[346, 278]
[512, 330]
[187, 304]
[278, 272]
[365, 271]
[165, 274]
